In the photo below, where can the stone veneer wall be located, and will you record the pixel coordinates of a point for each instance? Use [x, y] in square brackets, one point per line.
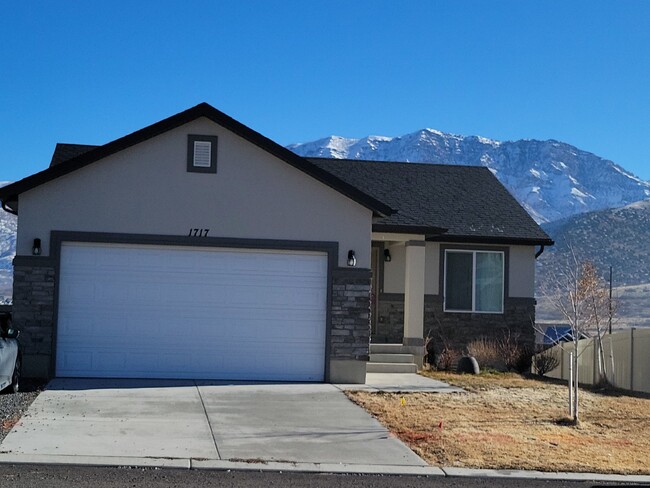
[390, 319]
[33, 312]
[457, 328]
[350, 314]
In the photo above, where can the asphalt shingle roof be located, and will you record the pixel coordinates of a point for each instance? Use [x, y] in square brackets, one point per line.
[63, 152]
[468, 201]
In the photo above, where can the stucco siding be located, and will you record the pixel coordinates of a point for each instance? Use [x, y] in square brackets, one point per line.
[521, 274]
[146, 189]
[432, 266]
[394, 271]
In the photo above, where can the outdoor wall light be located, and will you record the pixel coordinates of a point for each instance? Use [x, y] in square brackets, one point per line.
[387, 256]
[36, 248]
[352, 259]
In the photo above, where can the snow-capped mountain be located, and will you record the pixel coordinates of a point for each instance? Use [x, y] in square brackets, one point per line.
[551, 179]
[7, 239]
[8, 226]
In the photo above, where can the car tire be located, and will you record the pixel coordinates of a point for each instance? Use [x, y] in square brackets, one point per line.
[15, 378]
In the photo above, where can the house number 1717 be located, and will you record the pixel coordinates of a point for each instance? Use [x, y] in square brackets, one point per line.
[198, 232]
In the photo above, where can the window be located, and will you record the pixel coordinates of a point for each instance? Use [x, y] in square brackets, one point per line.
[202, 154]
[474, 281]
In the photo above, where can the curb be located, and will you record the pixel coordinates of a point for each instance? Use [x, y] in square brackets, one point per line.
[319, 468]
[544, 475]
[221, 465]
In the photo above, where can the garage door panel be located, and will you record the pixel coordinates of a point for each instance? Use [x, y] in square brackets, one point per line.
[115, 326]
[231, 364]
[76, 360]
[109, 360]
[161, 312]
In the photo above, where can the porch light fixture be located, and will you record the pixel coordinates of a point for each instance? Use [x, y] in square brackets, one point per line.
[352, 259]
[36, 248]
[387, 256]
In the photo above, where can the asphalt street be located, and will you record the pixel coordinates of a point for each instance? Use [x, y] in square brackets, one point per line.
[32, 476]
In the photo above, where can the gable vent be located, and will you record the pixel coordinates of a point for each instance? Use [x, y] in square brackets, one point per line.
[202, 154]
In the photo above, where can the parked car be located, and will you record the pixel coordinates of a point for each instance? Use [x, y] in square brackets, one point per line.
[10, 357]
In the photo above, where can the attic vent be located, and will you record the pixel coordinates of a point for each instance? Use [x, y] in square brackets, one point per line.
[201, 154]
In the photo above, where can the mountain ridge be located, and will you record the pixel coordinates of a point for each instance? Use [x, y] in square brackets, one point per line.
[612, 237]
[551, 179]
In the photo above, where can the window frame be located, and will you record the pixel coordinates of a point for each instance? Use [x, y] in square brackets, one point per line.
[474, 252]
[213, 140]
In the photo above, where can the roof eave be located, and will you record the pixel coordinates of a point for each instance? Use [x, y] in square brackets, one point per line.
[473, 239]
[428, 231]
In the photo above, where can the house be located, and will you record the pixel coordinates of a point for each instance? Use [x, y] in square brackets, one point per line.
[474, 244]
[547, 335]
[198, 248]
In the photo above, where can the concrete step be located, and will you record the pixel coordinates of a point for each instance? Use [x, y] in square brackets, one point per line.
[391, 368]
[385, 348]
[391, 358]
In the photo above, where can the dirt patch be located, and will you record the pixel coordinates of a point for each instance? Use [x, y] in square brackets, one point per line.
[507, 421]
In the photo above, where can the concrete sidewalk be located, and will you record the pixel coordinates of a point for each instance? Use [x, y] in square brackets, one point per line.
[401, 383]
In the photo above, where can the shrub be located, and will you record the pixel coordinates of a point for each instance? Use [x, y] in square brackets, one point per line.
[516, 357]
[545, 361]
[429, 352]
[487, 353]
[447, 359]
[524, 360]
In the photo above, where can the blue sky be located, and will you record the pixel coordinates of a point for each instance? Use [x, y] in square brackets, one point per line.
[90, 72]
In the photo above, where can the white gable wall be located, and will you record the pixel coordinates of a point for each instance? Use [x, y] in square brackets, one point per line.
[146, 189]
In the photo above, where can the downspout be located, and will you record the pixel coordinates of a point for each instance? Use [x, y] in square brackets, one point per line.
[541, 250]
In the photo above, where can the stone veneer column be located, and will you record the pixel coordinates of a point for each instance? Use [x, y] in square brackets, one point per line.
[33, 313]
[350, 325]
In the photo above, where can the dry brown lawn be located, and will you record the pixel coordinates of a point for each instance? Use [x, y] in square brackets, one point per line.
[506, 421]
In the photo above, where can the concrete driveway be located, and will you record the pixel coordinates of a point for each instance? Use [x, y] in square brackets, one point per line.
[201, 421]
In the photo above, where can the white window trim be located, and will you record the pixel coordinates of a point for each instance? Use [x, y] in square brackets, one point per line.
[503, 281]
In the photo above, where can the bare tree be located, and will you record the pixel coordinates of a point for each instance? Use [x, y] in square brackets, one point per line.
[601, 308]
[579, 294]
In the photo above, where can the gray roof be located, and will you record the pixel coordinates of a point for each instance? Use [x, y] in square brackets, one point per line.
[63, 152]
[468, 201]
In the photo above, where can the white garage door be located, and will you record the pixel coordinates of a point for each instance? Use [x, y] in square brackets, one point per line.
[133, 311]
